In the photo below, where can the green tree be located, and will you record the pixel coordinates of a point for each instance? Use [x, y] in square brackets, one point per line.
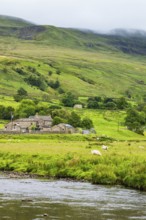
[6, 112]
[87, 123]
[75, 120]
[69, 99]
[135, 121]
[21, 94]
[2, 110]
[61, 113]
[26, 108]
[122, 103]
[110, 106]
[57, 120]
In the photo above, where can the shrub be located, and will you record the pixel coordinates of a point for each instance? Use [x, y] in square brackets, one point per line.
[39, 82]
[87, 123]
[75, 120]
[54, 84]
[69, 99]
[57, 120]
[21, 94]
[135, 121]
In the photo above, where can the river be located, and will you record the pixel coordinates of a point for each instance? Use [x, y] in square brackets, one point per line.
[35, 199]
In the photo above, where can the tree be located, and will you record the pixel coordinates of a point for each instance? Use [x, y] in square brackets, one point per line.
[93, 104]
[26, 108]
[57, 120]
[122, 103]
[6, 112]
[61, 113]
[50, 72]
[9, 111]
[21, 94]
[87, 123]
[54, 84]
[69, 99]
[75, 120]
[38, 81]
[135, 121]
[58, 71]
[2, 110]
[110, 106]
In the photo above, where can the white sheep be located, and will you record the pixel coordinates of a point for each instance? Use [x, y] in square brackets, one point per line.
[96, 152]
[104, 147]
[141, 147]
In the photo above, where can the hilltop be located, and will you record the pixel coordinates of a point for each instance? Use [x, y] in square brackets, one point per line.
[84, 62]
[8, 21]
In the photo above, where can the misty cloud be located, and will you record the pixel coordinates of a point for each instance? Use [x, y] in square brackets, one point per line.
[89, 14]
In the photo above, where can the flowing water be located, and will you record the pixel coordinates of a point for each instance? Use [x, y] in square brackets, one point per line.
[33, 199]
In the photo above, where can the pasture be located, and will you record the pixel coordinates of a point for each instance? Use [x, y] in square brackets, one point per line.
[69, 156]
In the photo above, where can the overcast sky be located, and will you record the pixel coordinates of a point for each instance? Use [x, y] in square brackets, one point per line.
[89, 14]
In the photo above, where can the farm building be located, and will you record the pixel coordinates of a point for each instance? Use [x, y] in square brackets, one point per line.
[38, 124]
[25, 125]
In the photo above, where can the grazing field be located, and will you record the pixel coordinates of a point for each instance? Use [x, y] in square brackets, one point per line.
[69, 156]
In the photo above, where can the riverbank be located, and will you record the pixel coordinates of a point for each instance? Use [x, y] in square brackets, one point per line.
[70, 157]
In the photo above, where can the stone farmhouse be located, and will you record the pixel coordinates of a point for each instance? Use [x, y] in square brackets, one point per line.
[39, 124]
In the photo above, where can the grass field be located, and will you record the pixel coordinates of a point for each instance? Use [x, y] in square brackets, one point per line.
[69, 156]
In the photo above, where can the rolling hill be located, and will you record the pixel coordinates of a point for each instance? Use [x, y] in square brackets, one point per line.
[82, 61]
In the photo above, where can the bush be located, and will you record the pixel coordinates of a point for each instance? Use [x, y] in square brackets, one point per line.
[57, 120]
[6, 112]
[54, 84]
[20, 71]
[75, 120]
[37, 81]
[21, 94]
[69, 99]
[135, 121]
[26, 108]
[87, 123]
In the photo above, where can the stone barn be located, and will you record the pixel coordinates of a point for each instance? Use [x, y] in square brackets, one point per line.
[25, 125]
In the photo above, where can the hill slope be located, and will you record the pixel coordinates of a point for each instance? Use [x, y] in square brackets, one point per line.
[84, 62]
[8, 21]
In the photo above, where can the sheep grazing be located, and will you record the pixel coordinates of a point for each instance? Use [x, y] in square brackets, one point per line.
[96, 152]
[104, 147]
[141, 147]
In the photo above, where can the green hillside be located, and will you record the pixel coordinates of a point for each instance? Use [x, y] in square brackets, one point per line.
[8, 21]
[84, 62]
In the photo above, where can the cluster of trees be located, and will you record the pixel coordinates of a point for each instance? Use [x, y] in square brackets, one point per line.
[63, 116]
[21, 94]
[6, 113]
[34, 78]
[38, 81]
[135, 119]
[107, 103]
[54, 84]
[69, 100]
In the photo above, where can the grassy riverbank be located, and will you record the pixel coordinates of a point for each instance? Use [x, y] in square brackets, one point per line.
[69, 156]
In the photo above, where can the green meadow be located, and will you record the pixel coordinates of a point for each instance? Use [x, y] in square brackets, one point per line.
[69, 156]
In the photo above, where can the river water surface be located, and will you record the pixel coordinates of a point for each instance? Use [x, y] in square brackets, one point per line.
[33, 199]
